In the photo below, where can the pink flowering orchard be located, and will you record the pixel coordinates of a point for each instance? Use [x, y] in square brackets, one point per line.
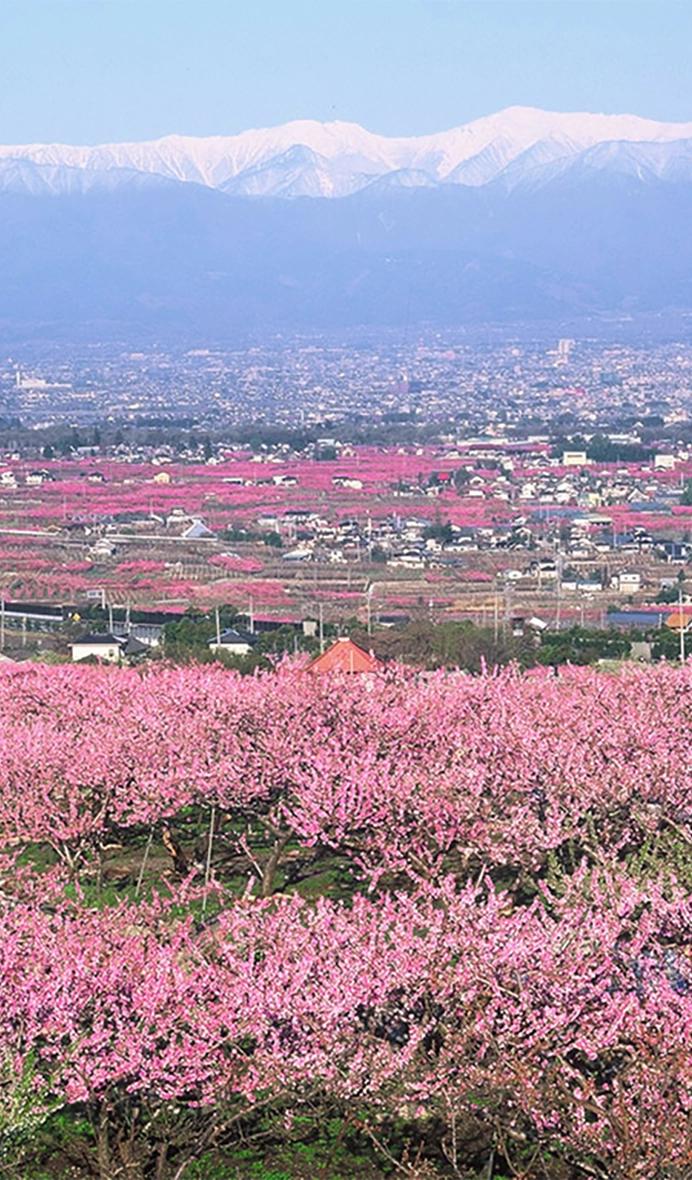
[454, 911]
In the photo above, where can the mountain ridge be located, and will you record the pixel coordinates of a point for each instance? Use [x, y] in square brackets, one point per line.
[335, 159]
[524, 216]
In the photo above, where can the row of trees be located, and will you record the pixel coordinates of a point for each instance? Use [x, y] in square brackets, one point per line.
[449, 913]
[463, 644]
[551, 1038]
[416, 776]
[453, 644]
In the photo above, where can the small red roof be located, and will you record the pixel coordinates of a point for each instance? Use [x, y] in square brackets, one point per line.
[680, 618]
[344, 656]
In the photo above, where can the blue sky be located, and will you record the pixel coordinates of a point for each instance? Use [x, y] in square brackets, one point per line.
[89, 71]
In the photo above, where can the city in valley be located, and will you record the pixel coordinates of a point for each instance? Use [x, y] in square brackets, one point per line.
[322, 486]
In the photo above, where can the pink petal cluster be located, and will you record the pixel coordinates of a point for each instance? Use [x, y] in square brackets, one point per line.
[505, 954]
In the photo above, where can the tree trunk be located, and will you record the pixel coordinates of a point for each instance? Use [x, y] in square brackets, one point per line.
[175, 852]
[269, 871]
[132, 1166]
[99, 873]
[103, 1151]
[161, 1162]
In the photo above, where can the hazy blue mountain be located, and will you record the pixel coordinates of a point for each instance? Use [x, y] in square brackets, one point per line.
[556, 231]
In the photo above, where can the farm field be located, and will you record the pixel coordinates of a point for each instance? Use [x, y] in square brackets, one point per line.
[47, 535]
[86, 529]
[403, 924]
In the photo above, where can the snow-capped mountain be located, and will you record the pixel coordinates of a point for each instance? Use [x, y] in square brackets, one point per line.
[298, 172]
[41, 180]
[520, 217]
[306, 158]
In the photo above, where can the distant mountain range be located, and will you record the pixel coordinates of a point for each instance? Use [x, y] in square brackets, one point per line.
[525, 214]
[518, 146]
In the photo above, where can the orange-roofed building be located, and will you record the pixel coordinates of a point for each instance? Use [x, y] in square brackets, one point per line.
[680, 619]
[344, 656]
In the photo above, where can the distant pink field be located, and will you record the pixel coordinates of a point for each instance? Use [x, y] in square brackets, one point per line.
[133, 499]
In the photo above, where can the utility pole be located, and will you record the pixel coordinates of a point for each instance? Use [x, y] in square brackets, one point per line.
[2, 621]
[321, 628]
[218, 627]
[682, 627]
[251, 615]
[507, 617]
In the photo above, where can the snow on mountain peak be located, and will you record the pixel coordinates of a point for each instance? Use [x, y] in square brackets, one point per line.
[343, 157]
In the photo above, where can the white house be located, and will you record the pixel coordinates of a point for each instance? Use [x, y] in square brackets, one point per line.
[102, 548]
[104, 647]
[110, 649]
[628, 581]
[234, 643]
[197, 531]
[664, 462]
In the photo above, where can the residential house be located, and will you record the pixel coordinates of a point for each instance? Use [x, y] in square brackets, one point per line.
[110, 649]
[233, 643]
[344, 656]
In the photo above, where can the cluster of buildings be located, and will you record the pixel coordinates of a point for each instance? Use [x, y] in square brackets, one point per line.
[471, 381]
[558, 464]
